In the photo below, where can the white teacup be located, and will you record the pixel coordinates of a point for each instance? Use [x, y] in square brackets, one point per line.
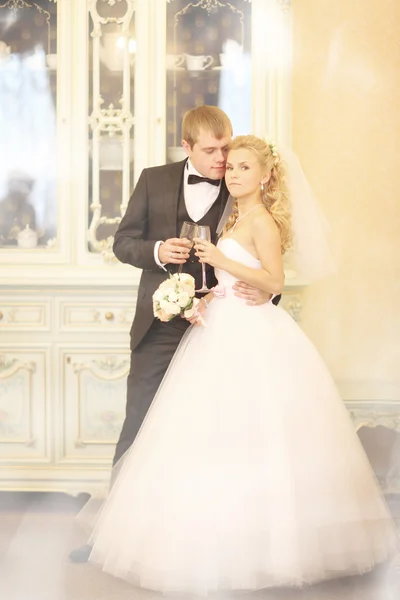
[51, 61]
[198, 62]
[27, 238]
[174, 61]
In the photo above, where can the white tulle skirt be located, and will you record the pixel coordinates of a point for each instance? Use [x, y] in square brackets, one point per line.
[247, 472]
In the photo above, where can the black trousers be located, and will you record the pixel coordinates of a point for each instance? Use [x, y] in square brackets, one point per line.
[149, 363]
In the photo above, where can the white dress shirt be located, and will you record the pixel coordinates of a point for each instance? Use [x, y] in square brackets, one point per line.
[199, 198]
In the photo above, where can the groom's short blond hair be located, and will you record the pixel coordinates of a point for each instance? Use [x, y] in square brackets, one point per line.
[207, 118]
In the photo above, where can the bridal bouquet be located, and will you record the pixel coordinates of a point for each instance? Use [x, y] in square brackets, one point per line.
[175, 296]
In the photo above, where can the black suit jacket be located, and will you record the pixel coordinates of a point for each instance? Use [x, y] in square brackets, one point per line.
[151, 215]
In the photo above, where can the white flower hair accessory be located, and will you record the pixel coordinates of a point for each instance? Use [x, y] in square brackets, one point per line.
[273, 148]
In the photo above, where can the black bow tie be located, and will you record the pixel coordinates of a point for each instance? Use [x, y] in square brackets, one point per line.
[196, 179]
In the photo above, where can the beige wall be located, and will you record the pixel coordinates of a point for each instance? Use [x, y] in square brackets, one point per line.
[346, 130]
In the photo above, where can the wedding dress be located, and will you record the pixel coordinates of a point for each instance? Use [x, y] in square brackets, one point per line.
[247, 472]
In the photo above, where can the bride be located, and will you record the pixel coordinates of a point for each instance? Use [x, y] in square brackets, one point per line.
[247, 472]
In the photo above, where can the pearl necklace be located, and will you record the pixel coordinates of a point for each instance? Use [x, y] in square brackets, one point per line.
[243, 216]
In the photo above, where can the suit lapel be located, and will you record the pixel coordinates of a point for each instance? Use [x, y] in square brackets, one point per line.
[171, 195]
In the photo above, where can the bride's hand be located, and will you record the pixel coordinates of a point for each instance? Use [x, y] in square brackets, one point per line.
[209, 253]
[197, 317]
[196, 313]
[252, 295]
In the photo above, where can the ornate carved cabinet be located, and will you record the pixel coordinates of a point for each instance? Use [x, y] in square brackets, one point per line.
[91, 92]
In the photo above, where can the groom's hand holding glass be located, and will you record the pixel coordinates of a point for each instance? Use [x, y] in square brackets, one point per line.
[177, 250]
[174, 251]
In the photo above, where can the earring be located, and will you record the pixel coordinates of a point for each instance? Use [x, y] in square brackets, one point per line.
[262, 187]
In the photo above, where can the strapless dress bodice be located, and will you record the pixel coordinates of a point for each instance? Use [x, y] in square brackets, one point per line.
[232, 249]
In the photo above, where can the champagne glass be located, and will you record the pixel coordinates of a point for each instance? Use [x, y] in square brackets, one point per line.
[188, 231]
[203, 232]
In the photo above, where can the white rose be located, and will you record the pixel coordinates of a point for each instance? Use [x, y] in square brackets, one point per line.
[164, 305]
[183, 299]
[172, 308]
[160, 314]
[188, 289]
[186, 277]
[168, 284]
[155, 308]
[172, 296]
[158, 296]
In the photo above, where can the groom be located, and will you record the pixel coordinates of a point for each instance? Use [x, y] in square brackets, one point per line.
[165, 197]
[147, 238]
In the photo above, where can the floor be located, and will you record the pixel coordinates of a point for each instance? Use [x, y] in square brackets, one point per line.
[37, 531]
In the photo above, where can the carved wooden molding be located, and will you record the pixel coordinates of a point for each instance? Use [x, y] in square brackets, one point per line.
[368, 413]
[374, 414]
[109, 124]
[8, 368]
[108, 368]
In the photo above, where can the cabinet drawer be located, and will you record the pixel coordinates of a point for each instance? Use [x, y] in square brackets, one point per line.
[24, 315]
[24, 413]
[94, 398]
[96, 316]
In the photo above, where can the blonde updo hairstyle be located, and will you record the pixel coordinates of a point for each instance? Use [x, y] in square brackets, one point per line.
[275, 195]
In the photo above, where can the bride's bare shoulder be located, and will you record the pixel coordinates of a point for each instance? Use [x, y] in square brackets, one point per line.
[263, 222]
